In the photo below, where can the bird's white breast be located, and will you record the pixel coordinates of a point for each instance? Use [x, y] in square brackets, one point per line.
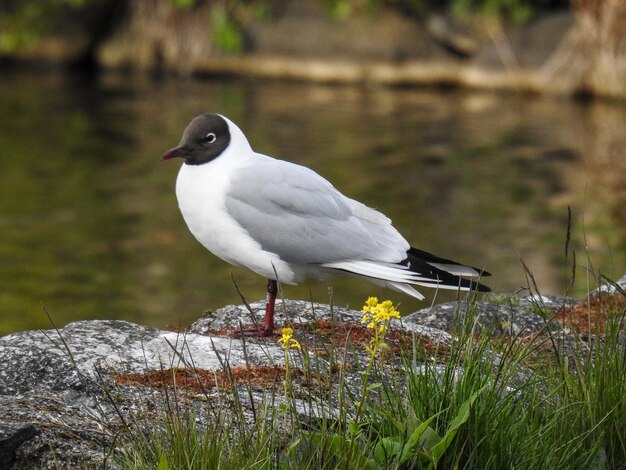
[201, 192]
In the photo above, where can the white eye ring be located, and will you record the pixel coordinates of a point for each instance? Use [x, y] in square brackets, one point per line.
[210, 138]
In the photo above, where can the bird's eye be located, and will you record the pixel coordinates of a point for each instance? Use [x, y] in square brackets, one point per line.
[209, 138]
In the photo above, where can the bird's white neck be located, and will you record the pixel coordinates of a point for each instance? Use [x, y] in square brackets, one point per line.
[239, 145]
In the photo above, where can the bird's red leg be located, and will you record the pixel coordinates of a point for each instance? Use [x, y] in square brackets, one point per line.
[268, 321]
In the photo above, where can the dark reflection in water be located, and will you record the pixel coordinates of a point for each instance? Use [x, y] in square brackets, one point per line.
[89, 225]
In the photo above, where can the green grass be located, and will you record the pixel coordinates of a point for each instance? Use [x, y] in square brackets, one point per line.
[517, 403]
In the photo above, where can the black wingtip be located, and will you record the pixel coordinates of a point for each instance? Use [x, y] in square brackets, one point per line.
[429, 257]
[469, 284]
[480, 287]
[419, 261]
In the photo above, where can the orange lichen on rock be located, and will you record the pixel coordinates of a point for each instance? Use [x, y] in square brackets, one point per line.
[200, 380]
[591, 315]
[340, 334]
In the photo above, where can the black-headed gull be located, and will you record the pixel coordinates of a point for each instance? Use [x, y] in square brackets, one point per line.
[287, 223]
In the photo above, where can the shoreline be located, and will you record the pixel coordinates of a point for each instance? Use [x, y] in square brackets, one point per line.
[564, 52]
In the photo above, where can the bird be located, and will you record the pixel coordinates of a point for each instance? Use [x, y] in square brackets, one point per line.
[287, 223]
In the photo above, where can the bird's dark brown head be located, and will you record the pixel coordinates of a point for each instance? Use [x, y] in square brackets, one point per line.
[204, 139]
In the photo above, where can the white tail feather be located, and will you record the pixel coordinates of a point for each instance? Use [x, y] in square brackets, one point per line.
[384, 271]
[406, 289]
[456, 269]
[434, 285]
[398, 277]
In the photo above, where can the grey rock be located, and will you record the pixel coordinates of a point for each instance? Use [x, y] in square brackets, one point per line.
[68, 425]
[297, 312]
[12, 435]
[87, 347]
[25, 363]
[61, 383]
[546, 303]
[498, 319]
[60, 400]
[289, 312]
[611, 288]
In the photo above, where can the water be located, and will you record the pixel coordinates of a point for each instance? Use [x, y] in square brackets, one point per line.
[89, 226]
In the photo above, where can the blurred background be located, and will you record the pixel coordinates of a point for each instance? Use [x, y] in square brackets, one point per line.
[484, 129]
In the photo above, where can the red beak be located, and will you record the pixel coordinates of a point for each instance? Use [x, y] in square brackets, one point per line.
[174, 153]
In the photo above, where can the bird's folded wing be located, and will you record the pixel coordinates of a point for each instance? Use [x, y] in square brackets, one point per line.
[295, 213]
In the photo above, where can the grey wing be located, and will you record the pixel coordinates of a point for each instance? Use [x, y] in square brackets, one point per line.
[293, 212]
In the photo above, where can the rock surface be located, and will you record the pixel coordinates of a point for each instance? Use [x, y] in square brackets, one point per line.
[497, 319]
[64, 394]
[12, 435]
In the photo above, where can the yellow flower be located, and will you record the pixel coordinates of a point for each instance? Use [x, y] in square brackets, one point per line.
[287, 341]
[369, 310]
[377, 315]
[385, 312]
[370, 304]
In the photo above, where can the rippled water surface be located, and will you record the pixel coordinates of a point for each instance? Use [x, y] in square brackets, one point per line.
[89, 226]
